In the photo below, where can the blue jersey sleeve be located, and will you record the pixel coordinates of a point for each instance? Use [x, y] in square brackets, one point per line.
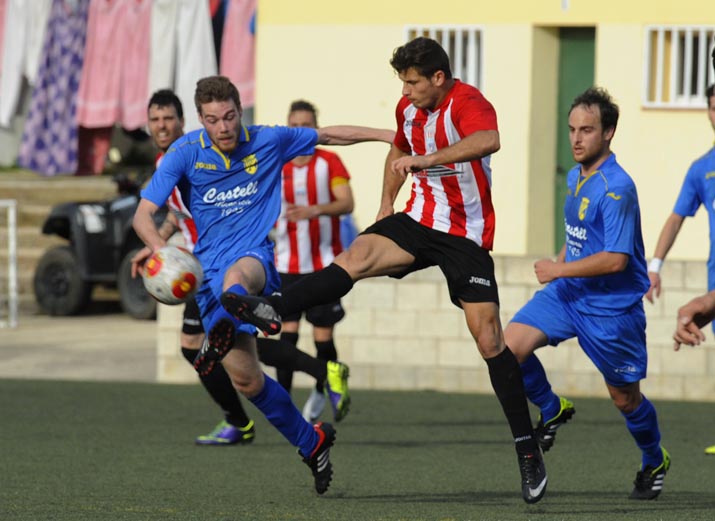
[689, 199]
[621, 219]
[296, 141]
[167, 176]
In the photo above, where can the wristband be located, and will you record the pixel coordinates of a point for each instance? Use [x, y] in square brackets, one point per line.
[655, 264]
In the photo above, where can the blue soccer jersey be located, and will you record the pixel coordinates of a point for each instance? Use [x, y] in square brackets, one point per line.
[234, 198]
[601, 213]
[699, 189]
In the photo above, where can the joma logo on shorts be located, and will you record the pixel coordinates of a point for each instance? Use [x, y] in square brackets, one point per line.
[481, 281]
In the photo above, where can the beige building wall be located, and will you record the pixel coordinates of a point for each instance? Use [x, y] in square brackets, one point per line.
[407, 335]
[338, 58]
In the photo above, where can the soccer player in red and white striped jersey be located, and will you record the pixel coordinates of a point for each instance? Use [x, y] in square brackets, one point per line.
[446, 132]
[315, 193]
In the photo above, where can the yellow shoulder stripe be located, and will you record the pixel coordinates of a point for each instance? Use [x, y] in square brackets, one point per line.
[338, 181]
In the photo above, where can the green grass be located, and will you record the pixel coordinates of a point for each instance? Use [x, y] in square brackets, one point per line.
[115, 451]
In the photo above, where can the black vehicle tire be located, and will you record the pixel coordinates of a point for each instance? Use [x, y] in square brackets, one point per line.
[134, 298]
[58, 284]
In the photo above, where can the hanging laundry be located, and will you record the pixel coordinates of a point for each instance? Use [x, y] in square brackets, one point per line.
[238, 48]
[135, 66]
[181, 53]
[163, 45]
[3, 10]
[49, 140]
[22, 40]
[114, 84]
[196, 57]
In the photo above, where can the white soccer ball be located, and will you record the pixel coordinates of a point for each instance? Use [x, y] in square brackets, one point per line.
[172, 275]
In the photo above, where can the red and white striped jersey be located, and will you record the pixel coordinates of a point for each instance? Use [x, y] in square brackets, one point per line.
[461, 204]
[309, 245]
[178, 208]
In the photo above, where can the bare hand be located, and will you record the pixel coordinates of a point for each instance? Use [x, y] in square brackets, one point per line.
[546, 270]
[654, 286]
[691, 317]
[408, 164]
[138, 261]
[385, 211]
[300, 213]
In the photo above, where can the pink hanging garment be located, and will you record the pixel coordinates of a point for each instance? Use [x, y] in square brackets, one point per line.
[98, 101]
[135, 64]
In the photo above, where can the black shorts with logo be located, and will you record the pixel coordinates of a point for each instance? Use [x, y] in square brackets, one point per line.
[468, 268]
[192, 319]
[324, 315]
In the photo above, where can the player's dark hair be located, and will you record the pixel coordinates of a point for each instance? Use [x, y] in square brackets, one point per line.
[167, 98]
[601, 98]
[306, 106]
[215, 88]
[709, 93]
[425, 55]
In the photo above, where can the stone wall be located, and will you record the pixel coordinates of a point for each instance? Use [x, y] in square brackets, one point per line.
[407, 335]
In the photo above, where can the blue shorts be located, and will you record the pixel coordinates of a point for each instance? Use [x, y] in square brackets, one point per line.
[615, 344]
[209, 296]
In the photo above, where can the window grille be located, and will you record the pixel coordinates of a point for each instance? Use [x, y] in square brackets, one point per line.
[677, 66]
[463, 44]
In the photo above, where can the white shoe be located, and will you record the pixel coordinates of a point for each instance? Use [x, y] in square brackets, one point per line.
[314, 406]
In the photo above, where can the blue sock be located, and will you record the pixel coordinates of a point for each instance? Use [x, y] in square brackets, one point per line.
[275, 404]
[643, 426]
[219, 314]
[222, 313]
[538, 389]
[238, 289]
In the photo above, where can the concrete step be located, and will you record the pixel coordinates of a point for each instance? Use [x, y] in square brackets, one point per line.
[35, 196]
[31, 188]
[30, 236]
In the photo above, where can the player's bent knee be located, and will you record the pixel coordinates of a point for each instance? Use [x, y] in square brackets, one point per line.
[247, 384]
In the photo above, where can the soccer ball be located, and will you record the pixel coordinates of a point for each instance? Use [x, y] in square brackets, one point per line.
[172, 275]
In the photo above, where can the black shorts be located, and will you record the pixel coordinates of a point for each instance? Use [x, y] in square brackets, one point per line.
[324, 315]
[468, 268]
[192, 319]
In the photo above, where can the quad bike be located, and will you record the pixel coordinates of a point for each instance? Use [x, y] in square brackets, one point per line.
[101, 243]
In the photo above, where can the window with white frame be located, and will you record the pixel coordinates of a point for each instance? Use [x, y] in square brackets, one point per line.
[463, 44]
[677, 67]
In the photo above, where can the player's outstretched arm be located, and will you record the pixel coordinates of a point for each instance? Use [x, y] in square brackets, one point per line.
[601, 263]
[665, 242]
[691, 317]
[350, 134]
[143, 224]
[391, 183]
[474, 146]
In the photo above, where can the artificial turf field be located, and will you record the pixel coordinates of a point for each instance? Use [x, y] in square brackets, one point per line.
[114, 451]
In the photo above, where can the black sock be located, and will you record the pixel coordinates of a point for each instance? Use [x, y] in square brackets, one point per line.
[505, 375]
[280, 354]
[286, 358]
[326, 351]
[323, 286]
[288, 350]
[218, 384]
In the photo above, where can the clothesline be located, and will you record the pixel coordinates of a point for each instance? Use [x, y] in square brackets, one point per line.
[94, 64]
